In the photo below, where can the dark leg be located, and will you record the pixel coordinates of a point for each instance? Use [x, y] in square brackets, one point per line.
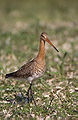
[33, 97]
[28, 92]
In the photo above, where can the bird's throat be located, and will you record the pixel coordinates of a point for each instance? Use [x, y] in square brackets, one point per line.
[41, 54]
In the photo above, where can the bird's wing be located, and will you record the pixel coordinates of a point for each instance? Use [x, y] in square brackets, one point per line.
[24, 72]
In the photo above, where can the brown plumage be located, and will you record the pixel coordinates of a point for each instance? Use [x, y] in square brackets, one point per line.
[35, 68]
[29, 71]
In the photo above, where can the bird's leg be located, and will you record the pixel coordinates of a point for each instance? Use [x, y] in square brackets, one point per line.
[28, 92]
[33, 97]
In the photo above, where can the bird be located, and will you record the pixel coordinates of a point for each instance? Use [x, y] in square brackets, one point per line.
[35, 68]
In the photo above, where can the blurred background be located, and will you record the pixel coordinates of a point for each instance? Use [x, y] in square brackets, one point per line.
[21, 23]
[18, 14]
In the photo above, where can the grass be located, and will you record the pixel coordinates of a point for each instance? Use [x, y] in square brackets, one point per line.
[21, 24]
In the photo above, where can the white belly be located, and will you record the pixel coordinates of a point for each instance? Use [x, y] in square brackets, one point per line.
[33, 77]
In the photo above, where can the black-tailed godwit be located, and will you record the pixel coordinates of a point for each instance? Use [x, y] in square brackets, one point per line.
[35, 68]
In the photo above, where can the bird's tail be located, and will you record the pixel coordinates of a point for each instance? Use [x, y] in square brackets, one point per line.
[9, 75]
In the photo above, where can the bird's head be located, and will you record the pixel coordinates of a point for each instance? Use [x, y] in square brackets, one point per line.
[44, 37]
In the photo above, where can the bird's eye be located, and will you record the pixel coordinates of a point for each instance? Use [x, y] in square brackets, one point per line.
[43, 36]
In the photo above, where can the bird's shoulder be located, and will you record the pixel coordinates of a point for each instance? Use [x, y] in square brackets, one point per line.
[27, 68]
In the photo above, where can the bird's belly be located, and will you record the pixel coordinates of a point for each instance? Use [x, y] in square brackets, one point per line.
[34, 76]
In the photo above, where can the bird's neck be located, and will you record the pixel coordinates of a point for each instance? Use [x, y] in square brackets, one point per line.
[41, 54]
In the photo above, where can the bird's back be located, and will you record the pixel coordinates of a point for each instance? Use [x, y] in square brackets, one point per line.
[30, 71]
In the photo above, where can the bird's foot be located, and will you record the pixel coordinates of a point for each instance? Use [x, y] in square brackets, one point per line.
[30, 96]
[33, 97]
[21, 99]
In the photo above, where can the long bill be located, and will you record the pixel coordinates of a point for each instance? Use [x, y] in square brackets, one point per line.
[51, 44]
